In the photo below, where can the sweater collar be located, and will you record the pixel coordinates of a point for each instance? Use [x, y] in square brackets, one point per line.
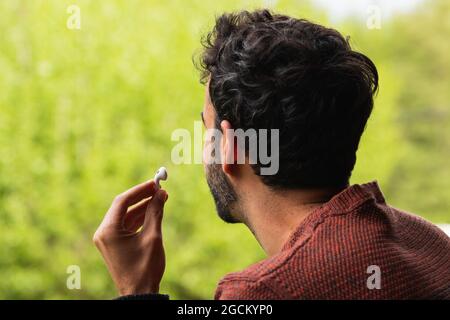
[343, 202]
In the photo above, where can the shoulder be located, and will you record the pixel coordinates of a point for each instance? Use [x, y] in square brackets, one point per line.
[332, 256]
[262, 280]
[245, 286]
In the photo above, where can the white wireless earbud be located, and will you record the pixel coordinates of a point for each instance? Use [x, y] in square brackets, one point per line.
[161, 174]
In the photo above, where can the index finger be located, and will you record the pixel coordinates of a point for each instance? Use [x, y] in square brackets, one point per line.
[136, 194]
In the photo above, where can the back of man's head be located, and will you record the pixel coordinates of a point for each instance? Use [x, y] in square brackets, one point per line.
[270, 71]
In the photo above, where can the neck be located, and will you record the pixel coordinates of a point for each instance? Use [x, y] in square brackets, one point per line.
[272, 216]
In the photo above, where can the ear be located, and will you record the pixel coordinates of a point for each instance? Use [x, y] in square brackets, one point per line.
[228, 147]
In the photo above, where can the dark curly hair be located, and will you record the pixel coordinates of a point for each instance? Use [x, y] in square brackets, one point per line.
[271, 71]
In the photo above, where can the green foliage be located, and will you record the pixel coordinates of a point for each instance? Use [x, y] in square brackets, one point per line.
[85, 114]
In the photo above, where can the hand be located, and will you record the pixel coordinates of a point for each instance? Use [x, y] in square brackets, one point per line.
[134, 256]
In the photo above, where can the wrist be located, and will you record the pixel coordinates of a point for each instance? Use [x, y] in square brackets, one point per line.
[139, 290]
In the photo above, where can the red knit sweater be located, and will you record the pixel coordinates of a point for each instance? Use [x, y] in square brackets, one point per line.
[353, 247]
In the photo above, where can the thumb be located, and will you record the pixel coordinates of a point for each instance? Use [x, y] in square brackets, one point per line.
[154, 213]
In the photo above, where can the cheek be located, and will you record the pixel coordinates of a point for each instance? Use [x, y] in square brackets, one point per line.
[210, 148]
[205, 154]
[207, 149]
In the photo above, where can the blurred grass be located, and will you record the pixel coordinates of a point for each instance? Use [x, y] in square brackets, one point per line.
[85, 114]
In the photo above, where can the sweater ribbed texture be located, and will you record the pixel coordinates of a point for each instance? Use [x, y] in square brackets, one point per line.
[328, 256]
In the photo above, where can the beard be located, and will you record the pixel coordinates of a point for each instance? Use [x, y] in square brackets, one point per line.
[222, 191]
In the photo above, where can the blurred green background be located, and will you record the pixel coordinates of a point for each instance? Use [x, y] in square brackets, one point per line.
[85, 114]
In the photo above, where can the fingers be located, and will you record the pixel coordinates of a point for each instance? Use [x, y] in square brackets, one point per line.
[134, 219]
[137, 193]
[154, 214]
[128, 198]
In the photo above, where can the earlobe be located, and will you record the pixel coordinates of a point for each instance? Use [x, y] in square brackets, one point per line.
[229, 157]
[228, 147]
[227, 168]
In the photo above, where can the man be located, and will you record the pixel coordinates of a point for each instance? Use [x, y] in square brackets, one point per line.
[324, 239]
